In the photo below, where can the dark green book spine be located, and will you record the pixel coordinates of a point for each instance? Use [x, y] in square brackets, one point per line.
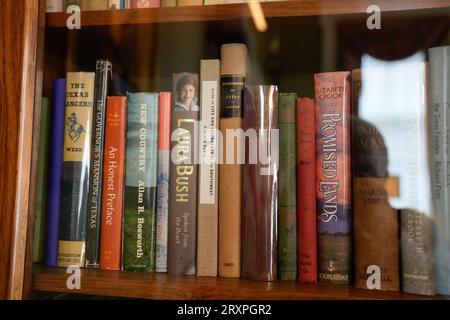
[139, 226]
[102, 76]
[287, 227]
[41, 184]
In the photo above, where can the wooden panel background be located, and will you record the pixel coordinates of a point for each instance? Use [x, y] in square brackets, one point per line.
[18, 38]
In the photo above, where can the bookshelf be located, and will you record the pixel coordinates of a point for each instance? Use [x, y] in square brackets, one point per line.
[38, 55]
[162, 286]
[232, 11]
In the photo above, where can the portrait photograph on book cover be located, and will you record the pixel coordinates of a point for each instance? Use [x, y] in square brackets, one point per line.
[186, 92]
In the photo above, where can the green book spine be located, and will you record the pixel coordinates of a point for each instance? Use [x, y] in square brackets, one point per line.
[41, 184]
[72, 3]
[287, 228]
[139, 235]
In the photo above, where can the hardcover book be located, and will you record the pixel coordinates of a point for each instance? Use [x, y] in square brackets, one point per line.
[139, 223]
[41, 182]
[375, 221]
[181, 3]
[418, 275]
[439, 90]
[407, 163]
[168, 3]
[233, 71]
[113, 173]
[145, 4]
[287, 228]
[72, 3]
[208, 206]
[162, 202]
[306, 193]
[54, 6]
[102, 77]
[182, 242]
[75, 168]
[90, 5]
[260, 180]
[54, 172]
[332, 93]
[115, 4]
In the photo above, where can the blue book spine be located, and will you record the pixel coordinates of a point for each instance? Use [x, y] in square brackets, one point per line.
[54, 171]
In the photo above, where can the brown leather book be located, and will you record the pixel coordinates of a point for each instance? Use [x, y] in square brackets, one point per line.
[375, 224]
[260, 213]
[233, 71]
[182, 240]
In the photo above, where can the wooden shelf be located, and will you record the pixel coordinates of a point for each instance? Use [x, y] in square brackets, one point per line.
[236, 11]
[163, 286]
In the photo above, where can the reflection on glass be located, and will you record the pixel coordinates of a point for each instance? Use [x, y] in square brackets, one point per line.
[394, 100]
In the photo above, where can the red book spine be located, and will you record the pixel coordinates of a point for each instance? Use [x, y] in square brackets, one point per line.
[114, 161]
[334, 218]
[306, 193]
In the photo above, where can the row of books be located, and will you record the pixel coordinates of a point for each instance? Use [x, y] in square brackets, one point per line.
[87, 5]
[334, 201]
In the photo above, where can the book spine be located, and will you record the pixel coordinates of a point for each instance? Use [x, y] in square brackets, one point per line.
[416, 233]
[375, 222]
[145, 4]
[54, 172]
[41, 183]
[439, 89]
[417, 253]
[207, 245]
[233, 71]
[260, 176]
[115, 4]
[332, 93]
[168, 3]
[162, 203]
[182, 243]
[75, 168]
[181, 3]
[112, 194]
[287, 243]
[90, 5]
[72, 3]
[139, 235]
[102, 76]
[54, 6]
[306, 193]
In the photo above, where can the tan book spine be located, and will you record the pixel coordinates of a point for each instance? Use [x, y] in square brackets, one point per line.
[233, 71]
[182, 3]
[208, 207]
[90, 5]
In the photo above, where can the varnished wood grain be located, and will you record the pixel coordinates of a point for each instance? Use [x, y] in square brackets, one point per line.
[163, 286]
[17, 80]
[236, 11]
[27, 294]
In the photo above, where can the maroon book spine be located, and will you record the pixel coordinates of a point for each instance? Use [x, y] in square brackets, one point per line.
[260, 197]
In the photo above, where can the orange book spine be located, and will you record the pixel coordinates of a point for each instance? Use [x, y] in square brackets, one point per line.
[306, 193]
[114, 161]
